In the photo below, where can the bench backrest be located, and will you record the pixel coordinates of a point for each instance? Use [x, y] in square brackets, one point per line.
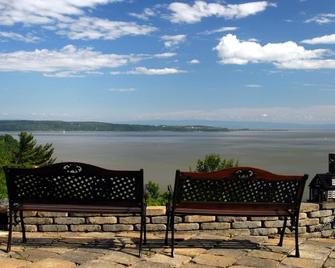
[74, 183]
[238, 185]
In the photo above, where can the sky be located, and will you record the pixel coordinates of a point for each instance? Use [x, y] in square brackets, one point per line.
[132, 60]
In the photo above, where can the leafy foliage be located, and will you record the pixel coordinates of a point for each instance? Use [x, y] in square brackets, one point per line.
[24, 152]
[154, 195]
[214, 162]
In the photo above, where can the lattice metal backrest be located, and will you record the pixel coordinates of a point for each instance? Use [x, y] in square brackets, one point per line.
[74, 183]
[238, 185]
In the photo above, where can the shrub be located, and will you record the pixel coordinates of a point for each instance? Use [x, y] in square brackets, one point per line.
[214, 162]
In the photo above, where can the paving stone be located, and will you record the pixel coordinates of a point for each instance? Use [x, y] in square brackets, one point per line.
[267, 255]
[195, 265]
[101, 264]
[236, 253]
[37, 254]
[257, 262]
[302, 263]
[187, 251]
[176, 261]
[156, 211]
[308, 207]
[101, 220]
[79, 256]
[12, 263]
[149, 264]
[215, 260]
[329, 263]
[51, 263]
[121, 258]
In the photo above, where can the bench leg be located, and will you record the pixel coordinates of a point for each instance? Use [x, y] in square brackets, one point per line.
[296, 225]
[141, 234]
[10, 229]
[282, 233]
[172, 234]
[145, 225]
[167, 224]
[24, 240]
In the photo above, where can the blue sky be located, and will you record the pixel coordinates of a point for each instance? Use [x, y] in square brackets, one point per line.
[128, 60]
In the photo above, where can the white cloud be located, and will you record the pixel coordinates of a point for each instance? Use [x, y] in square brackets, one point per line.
[322, 18]
[185, 13]
[253, 85]
[165, 55]
[194, 61]
[68, 61]
[311, 114]
[286, 55]
[95, 28]
[44, 12]
[122, 90]
[152, 71]
[325, 39]
[219, 30]
[29, 38]
[145, 15]
[173, 40]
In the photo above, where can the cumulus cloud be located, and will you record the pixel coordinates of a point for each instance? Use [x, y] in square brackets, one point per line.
[29, 38]
[96, 28]
[194, 61]
[325, 39]
[173, 40]
[68, 61]
[185, 13]
[150, 71]
[219, 30]
[323, 18]
[311, 114]
[287, 55]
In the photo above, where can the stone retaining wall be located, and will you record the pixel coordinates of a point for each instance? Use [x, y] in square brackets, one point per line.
[315, 221]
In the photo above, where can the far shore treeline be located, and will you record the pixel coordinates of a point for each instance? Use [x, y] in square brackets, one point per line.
[32, 125]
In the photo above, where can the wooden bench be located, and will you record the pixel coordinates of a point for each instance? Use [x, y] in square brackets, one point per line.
[74, 187]
[242, 191]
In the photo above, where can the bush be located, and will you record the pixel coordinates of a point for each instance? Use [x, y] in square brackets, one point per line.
[154, 196]
[213, 162]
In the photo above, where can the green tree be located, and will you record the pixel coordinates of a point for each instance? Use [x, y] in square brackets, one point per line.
[154, 195]
[214, 162]
[24, 152]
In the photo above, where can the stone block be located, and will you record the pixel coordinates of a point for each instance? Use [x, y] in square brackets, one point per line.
[79, 214]
[101, 220]
[152, 227]
[186, 226]
[327, 219]
[236, 232]
[52, 214]
[36, 220]
[156, 211]
[319, 227]
[302, 215]
[264, 231]
[320, 213]
[69, 220]
[327, 233]
[198, 218]
[163, 219]
[309, 207]
[215, 225]
[263, 218]
[117, 227]
[53, 228]
[132, 220]
[301, 230]
[29, 213]
[85, 228]
[28, 228]
[231, 219]
[246, 224]
[328, 205]
[309, 221]
[273, 224]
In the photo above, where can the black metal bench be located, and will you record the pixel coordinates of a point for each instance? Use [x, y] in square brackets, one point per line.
[74, 187]
[242, 191]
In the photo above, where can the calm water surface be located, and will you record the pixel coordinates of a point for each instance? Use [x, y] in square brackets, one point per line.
[161, 153]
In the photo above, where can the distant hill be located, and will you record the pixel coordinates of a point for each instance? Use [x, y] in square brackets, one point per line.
[32, 125]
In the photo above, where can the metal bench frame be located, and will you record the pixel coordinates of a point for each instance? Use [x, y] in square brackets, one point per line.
[241, 191]
[74, 187]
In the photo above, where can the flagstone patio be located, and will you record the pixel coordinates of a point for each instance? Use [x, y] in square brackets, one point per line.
[193, 249]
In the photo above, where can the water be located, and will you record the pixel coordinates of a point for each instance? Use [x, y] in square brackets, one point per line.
[161, 153]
